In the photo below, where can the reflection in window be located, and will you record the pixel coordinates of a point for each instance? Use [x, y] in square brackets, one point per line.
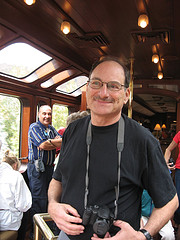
[9, 124]
[57, 78]
[21, 59]
[73, 86]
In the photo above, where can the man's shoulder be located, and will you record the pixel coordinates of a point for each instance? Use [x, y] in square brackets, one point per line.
[35, 127]
[131, 124]
[78, 126]
[134, 129]
[35, 124]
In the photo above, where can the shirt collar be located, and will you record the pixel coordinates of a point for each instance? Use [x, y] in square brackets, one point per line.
[6, 164]
[42, 126]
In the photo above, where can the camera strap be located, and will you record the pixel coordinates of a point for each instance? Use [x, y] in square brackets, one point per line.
[120, 146]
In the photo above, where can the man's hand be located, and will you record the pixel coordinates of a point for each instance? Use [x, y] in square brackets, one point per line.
[57, 137]
[171, 167]
[126, 232]
[66, 218]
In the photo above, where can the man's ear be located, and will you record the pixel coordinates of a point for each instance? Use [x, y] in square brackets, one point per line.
[127, 94]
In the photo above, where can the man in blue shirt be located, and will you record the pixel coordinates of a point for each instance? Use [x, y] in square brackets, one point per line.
[43, 139]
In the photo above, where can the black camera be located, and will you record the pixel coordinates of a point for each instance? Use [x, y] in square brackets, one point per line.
[171, 161]
[101, 218]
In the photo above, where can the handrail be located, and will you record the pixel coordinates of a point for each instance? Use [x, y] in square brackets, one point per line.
[41, 229]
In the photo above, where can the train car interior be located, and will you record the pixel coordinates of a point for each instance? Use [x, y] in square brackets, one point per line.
[47, 48]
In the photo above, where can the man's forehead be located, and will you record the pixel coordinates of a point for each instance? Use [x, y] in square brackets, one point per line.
[45, 109]
[109, 67]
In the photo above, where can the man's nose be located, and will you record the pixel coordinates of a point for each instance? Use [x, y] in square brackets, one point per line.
[104, 90]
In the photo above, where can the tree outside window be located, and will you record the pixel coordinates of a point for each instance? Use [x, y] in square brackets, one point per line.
[9, 124]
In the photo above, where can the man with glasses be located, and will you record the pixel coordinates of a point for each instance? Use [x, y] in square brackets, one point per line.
[106, 161]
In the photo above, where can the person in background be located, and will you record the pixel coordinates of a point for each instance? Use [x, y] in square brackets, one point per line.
[175, 143]
[76, 115]
[43, 139]
[167, 232]
[102, 168]
[15, 197]
[72, 117]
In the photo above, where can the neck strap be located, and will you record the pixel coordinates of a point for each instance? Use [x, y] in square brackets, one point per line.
[120, 146]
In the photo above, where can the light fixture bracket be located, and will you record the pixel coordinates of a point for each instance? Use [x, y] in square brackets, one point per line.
[90, 40]
[155, 36]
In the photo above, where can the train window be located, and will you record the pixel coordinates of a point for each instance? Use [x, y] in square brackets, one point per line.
[21, 59]
[59, 116]
[10, 108]
[73, 86]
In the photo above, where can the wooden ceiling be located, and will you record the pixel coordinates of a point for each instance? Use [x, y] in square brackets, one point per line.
[105, 27]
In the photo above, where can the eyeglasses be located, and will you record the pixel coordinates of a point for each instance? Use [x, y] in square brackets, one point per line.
[112, 86]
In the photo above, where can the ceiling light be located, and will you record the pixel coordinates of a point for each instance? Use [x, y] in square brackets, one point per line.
[65, 27]
[143, 20]
[160, 75]
[29, 2]
[155, 58]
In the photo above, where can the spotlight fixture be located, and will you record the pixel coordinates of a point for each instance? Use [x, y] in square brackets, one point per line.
[29, 2]
[160, 75]
[155, 58]
[65, 27]
[143, 20]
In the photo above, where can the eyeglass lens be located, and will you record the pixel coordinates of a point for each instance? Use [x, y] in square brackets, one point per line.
[112, 86]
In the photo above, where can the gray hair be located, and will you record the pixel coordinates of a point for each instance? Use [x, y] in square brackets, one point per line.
[76, 115]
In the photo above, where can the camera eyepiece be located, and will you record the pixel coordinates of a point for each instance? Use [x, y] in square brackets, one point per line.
[171, 161]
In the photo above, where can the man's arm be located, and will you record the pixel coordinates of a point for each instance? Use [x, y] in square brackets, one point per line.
[51, 144]
[64, 215]
[158, 218]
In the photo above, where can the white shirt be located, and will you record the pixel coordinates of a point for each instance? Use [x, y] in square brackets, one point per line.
[15, 198]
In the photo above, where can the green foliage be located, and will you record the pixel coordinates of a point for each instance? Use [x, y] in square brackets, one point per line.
[10, 123]
[59, 116]
[14, 70]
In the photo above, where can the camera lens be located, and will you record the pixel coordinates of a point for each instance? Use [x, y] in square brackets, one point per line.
[101, 227]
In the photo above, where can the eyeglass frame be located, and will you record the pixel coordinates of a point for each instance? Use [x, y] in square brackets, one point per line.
[99, 80]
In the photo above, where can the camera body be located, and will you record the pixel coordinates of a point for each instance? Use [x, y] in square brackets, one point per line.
[171, 161]
[101, 218]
